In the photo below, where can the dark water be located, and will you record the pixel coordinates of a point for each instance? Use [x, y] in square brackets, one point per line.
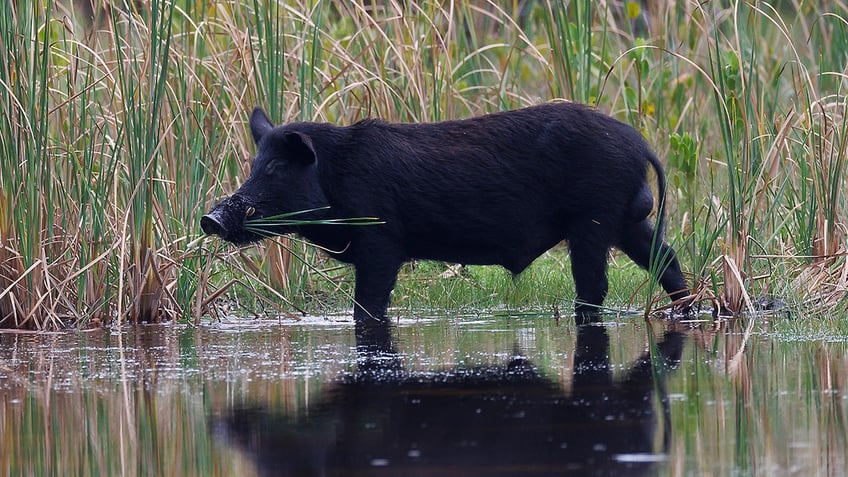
[486, 395]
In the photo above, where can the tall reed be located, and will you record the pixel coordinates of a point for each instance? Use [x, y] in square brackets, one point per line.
[28, 253]
[121, 124]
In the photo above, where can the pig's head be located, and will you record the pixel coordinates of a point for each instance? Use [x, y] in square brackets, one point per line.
[283, 187]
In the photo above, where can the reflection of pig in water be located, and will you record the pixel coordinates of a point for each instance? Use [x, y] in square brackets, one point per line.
[496, 189]
[501, 421]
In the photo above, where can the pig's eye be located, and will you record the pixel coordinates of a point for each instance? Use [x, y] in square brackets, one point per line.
[271, 166]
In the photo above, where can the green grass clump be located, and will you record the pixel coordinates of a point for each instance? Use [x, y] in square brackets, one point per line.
[425, 287]
[121, 124]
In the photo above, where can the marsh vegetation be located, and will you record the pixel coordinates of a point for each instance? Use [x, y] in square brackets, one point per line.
[121, 122]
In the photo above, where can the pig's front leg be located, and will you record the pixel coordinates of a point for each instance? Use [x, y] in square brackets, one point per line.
[375, 279]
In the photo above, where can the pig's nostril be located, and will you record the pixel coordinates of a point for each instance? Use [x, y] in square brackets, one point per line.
[211, 225]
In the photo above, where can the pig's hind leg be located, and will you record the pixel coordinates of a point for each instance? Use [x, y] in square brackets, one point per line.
[639, 242]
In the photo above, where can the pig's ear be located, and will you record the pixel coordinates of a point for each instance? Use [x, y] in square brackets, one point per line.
[299, 147]
[259, 124]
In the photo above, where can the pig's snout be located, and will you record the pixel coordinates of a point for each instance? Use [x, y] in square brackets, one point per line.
[231, 220]
[211, 224]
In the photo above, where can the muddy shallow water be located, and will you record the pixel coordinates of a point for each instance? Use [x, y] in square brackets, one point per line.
[471, 395]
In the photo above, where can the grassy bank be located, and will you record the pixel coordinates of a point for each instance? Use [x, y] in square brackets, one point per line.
[122, 122]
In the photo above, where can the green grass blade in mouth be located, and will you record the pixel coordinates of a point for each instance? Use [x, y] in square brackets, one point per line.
[272, 222]
[285, 219]
[291, 214]
[264, 233]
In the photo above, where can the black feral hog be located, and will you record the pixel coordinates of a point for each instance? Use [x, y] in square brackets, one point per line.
[496, 189]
